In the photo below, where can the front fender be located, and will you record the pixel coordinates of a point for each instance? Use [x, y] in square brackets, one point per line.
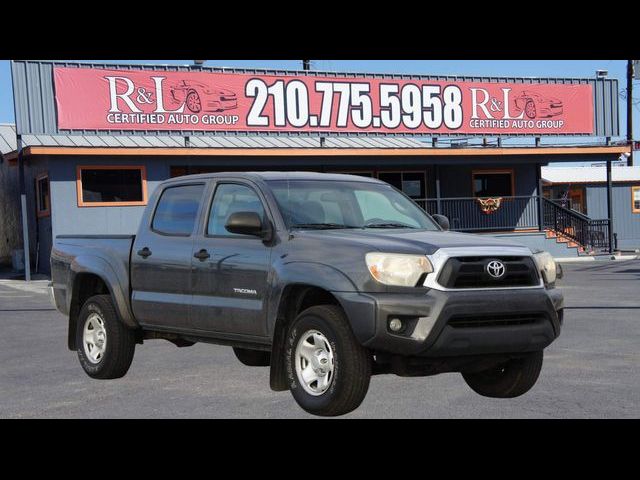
[304, 273]
[116, 281]
[316, 274]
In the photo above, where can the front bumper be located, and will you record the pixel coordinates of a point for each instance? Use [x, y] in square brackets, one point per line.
[433, 327]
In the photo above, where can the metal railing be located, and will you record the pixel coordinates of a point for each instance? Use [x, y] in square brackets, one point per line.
[589, 233]
[466, 214]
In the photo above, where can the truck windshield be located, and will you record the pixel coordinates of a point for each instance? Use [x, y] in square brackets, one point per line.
[328, 204]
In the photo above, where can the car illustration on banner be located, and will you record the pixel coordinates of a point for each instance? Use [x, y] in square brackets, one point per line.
[200, 97]
[537, 106]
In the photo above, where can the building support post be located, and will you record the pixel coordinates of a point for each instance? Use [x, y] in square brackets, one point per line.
[630, 111]
[539, 191]
[23, 205]
[609, 205]
[437, 175]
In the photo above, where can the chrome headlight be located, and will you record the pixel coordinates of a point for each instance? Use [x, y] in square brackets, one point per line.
[546, 265]
[397, 269]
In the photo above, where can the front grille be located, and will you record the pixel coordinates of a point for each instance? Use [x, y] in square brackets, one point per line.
[471, 272]
[496, 320]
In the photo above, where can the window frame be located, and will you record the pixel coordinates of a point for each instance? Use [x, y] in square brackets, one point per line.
[218, 184]
[195, 227]
[143, 176]
[493, 171]
[402, 172]
[47, 211]
[634, 188]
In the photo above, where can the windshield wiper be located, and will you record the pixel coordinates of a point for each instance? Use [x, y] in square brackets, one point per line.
[322, 226]
[388, 225]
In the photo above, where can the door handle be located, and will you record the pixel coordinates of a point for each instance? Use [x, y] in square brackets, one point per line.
[145, 252]
[202, 255]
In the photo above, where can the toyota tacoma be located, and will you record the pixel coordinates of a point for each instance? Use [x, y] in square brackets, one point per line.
[327, 279]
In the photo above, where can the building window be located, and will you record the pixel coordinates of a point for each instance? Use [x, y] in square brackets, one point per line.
[177, 210]
[111, 186]
[635, 199]
[411, 183]
[43, 197]
[492, 183]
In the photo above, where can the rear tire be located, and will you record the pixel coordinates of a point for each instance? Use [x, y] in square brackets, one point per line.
[253, 358]
[320, 343]
[509, 380]
[105, 345]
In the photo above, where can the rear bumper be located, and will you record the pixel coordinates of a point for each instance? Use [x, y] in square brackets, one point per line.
[449, 324]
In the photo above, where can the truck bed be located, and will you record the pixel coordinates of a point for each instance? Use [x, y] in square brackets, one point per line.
[106, 255]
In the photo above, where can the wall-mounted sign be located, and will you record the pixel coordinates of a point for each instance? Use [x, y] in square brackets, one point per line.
[100, 99]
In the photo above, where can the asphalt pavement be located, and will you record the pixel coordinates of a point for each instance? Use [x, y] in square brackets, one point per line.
[591, 371]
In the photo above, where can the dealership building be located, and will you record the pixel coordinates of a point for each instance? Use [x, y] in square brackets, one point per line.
[92, 142]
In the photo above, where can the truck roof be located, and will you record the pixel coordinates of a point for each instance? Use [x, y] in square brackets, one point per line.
[280, 176]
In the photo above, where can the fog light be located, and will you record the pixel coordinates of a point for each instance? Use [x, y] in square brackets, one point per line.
[395, 324]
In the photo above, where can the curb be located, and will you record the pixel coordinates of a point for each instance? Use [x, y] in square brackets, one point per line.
[600, 258]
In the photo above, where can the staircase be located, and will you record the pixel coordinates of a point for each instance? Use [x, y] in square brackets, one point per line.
[576, 230]
[563, 239]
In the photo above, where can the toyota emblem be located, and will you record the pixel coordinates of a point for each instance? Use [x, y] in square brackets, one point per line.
[495, 268]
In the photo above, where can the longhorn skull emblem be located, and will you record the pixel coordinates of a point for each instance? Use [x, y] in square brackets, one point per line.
[489, 205]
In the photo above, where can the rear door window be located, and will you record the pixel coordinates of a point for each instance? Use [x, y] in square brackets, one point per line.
[177, 210]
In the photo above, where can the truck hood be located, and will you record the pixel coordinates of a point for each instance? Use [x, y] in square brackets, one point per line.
[404, 241]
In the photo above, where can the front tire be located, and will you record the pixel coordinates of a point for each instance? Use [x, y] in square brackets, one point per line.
[328, 371]
[509, 380]
[105, 345]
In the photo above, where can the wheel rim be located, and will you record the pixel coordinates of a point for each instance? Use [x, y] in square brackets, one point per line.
[94, 338]
[193, 102]
[314, 362]
[530, 109]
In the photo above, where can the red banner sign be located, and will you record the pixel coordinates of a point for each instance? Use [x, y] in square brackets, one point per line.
[99, 99]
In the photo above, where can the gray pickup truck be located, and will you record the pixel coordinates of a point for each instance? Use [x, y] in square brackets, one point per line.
[328, 279]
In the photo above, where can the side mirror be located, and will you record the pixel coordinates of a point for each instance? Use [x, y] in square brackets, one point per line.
[245, 223]
[442, 221]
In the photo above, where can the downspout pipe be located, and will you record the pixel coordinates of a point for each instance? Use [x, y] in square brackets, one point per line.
[23, 207]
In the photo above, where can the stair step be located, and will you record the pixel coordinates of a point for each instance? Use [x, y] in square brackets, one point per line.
[560, 238]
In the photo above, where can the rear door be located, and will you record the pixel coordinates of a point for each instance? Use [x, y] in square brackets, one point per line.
[161, 258]
[230, 284]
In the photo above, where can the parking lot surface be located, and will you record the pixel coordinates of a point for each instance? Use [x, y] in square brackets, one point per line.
[591, 371]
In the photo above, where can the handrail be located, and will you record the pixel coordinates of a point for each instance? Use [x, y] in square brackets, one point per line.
[473, 198]
[521, 212]
[565, 209]
[588, 233]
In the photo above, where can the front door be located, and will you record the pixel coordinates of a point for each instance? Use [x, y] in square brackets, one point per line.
[161, 259]
[230, 271]
[576, 195]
